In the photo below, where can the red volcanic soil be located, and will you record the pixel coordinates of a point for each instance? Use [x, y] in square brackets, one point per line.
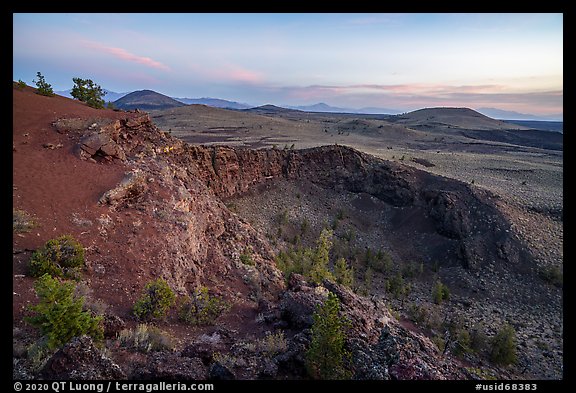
[50, 185]
[61, 193]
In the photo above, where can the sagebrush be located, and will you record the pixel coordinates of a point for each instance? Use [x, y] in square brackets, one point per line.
[60, 257]
[201, 308]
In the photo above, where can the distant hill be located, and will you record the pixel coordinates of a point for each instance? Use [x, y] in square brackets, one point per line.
[214, 102]
[511, 115]
[555, 126]
[322, 107]
[110, 96]
[459, 118]
[269, 108]
[146, 100]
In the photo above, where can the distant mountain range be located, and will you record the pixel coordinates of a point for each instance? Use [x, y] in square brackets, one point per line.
[214, 102]
[322, 107]
[495, 113]
[511, 115]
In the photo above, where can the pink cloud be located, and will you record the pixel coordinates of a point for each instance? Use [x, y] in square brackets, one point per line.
[243, 75]
[123, 54]
[227, 72]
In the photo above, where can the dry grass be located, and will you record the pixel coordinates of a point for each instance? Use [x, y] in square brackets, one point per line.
[22, 221]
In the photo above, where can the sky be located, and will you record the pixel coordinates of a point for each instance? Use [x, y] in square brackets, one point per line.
[397, 61]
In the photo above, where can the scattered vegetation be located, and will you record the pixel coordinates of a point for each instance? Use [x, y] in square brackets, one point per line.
[503, 351]
[344, 275]
[146, 338]
[155, 302]
[94, 306]
[201, 308]
[552, 275]
[20, 85]
[59, 314]
[439, 342]
[368, 278]
[478, 339]
[380, 261]
[246, 257]
[339, 217]
[283, 217]
[326, 357]
[21, 221]
[272, 344]
[412, 269]
[397, 286]
[43, 87]
[87, 91]
[482, 373]
[61, 257]
[440, 292]
[312, 263]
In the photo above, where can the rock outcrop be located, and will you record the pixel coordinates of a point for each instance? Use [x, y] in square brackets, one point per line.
[81, 360]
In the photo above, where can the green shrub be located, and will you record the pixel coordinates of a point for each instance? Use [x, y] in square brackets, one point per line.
[439, 342]
[326, 357]
[418, 314]
[380, 262]
[344, 275]
[412, 269]
[61, 257]
[311, 263]
[503, 350]
[552, 275]
[155, 301]
[201, 308]
[397, 286]
[146, 338]
[43, 88]
[368, 278]
[462, 343]
[478, 339]
[20, 84]
[87, 91]
[59, 314]
[319, 267]
[246, 257]
[440, 292]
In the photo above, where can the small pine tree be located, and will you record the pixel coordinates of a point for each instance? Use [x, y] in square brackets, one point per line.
[326, 358]
[87, 91]
[368, 278]
[344, 274]
[440, 292]
[59, 314]
[155, 301]
[504, 346]
[319, 269]
[44, 88]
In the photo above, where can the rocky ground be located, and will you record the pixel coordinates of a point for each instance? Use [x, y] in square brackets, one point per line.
[145, 205]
